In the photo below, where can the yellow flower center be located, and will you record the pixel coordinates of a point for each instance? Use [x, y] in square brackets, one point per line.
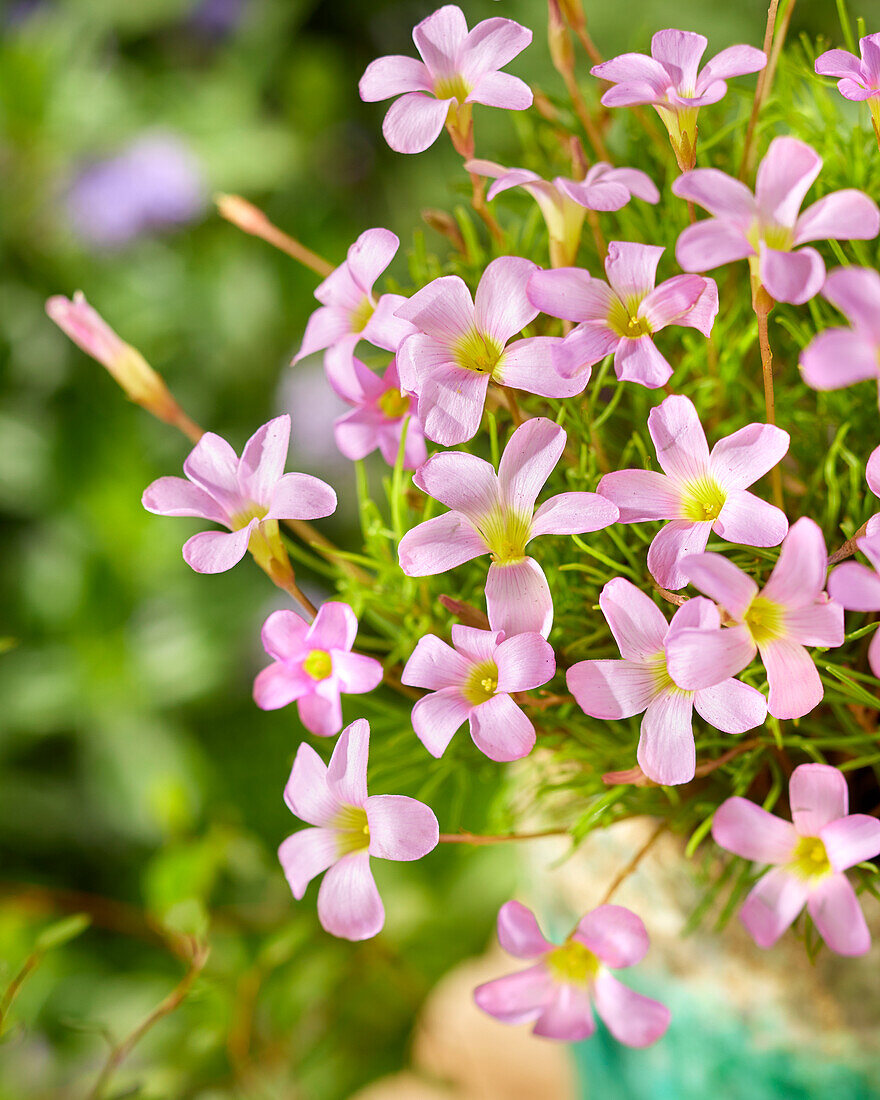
[573, 963]
[764, 618]
[318, 664]
[249, 511]
[482, 683]
[394, 404]
[506, 532]
[624, 320]
[361, 314]
[810, 859]
[778, 237]
[703, 500]
[452, 87]
[477, 351]
[352, 830]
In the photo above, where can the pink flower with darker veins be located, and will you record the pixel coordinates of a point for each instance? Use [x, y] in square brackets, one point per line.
[840, 356]
[671, 82]
[565, 202]
[857, 588]
[472, 680]
[698, 492]
[789, 613]
[313, 664]
[460, 344]
[559, 990]
[810, 858]
[350, 827]
[350, 312]
[768, 227]
[378, 417]
[458, 68]
[858, 79]
[612, 689]
[248, 495]
[621, 316]
[495, 514]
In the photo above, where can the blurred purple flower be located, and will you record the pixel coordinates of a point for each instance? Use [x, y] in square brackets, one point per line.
[217, 18]
[156, 182]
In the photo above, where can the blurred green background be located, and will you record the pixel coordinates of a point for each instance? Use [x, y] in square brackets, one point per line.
[134, 767]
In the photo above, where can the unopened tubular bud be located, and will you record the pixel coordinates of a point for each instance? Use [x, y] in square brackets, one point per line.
[446, 225]
[573, 13]
[559, 40]
[243, 214]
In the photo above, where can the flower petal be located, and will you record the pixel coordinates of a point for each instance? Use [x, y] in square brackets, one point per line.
[460, 481]
[820, 623]
[670, 546]
[175, 496]
[389, 76]
[492, 44]
[501, 307]
[439, 38]
[848, 215]
[301, 496]
[516, 998]
[795, 686]
[721, 580]
[679, 439]
[666, 752]
[518, 932]
[217, 551]
[439, 544]
[633, 67]
[583, 347]
[785, 175]
[356, 673]
[839, 63]
[731, 706]
[263, 460]
[384, 328]
[855, 291]
[641, 495]
[855, 587]
[851, 840]
[320, 711]
[637, 623]
[568, 1015]
[451, 404]
[278, 685]
[306, 854]
[433, 664]
[631, 268]
[836, 912]
[213, 466]
[773, 903]
[791, 276]
[818, 795]
[347, 770]
[722, 195]
[502, 90]
[611, 689]
[530, 365]
[734, 61]
[671, 300]
[741, 458]
[679, 52]
[518, 597]
[631, 1017]
[501, 730]
[615, 934]
[699, 659]
[437, 717]
[413, 122]
[307, 794]
[570, 293]
[349, 905]
[640, 361]
[838, 357]
[284, 635]
[401, 828]
[748, 830]
[799, 574]
[573, 514]
[750, 521]
[529, 458]
[524, 662]
[709, 244]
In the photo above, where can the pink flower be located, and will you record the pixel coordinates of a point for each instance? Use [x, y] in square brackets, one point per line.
[790, 612]
[698, 491]
[313, 664]
[564, 202]
[461, 344]
[857, 588]
[496, 515]
[473, 680]
[858, 80]
[872, 476]
[670, 82]
[350, 826]
[767, 227]
[809, 858]
[457, 69]
[559, 990]
[621, 318]
[377, 419]
[350, 312]
[839, 357]
[248, 495]
[642, 682]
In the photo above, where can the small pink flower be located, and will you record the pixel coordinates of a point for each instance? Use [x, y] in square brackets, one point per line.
[248, 495]
[839, 357]
[767, 227]
[642, 682]
[621, 318]
[699, 492]
[457, 69]
[810, 856]
[313, 664]
[377, 419]
[857, 79]
[564, 202]
[460, 344]
[350, 827]
[350, 312]
[495, 514]
[790, 612]
[558, 992]
[472, 680]
[857, 588]
[872, 476]
[670, 82]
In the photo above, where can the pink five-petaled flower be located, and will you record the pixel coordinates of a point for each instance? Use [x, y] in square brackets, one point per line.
[249, 495]
[699, 492]
[612, 689]
[461, 344]
[350, 827]
[857, 79]
[559, 990]
[621, 318]
[670, 82]
[472, 680]
[811, 855]
[349, 310]
[767, 227]
[457, 69]
[872, 476]
[377, 419]
[857, 588]
[313, 664]
[790, 612]
[840, 356]
[565, 202]
[495, 514]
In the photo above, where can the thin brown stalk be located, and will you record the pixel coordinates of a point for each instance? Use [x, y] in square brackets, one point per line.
[849, 547]
[250, 219]
[479, 838]
[596, 230]
[626, 871]
[761, 92]
[28, 966]
[763, 304]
